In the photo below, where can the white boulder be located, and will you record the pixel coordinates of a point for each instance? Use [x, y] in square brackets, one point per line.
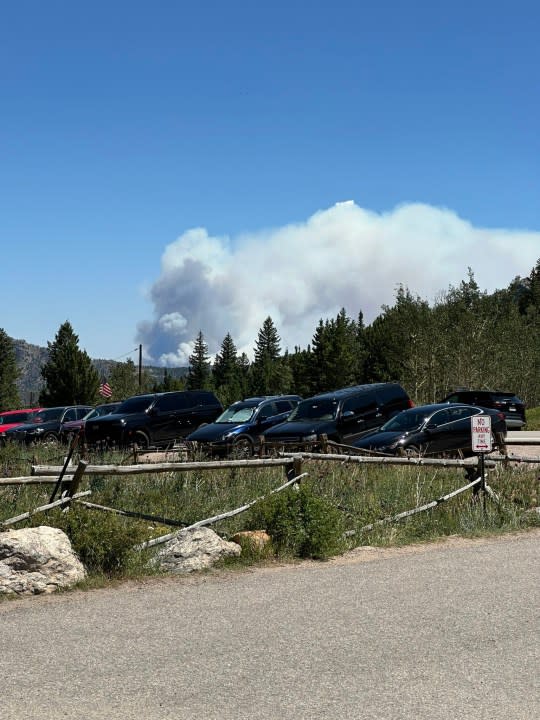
[194, 549]
[37, 560]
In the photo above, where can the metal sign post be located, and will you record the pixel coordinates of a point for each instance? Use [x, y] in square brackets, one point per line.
[481, 443]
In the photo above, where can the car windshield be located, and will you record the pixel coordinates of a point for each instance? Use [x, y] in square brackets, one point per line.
[407, 419]
[101, 410]
[48, 415]
[15, 418]
[135, 404]
[314, 410]
[236, 414]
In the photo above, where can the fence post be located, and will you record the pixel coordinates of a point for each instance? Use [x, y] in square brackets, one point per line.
[294, 469]
[77, 477]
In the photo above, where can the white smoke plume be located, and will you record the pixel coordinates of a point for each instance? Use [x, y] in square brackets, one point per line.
[344, 256]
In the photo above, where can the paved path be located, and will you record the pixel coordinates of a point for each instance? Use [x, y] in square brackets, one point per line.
[446, 631]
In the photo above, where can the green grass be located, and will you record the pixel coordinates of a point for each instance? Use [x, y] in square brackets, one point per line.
[532, 416]
[308, 522]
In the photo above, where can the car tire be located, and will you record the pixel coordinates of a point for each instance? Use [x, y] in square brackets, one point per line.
[242, 448]
[142, 440]
[413, 451]
[50, 438]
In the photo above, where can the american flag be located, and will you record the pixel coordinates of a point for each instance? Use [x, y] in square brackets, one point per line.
[105, 389]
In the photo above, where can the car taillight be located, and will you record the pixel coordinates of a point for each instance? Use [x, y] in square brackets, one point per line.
[410, 403]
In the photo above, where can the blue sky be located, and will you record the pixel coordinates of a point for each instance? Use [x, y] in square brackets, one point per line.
[126, 126]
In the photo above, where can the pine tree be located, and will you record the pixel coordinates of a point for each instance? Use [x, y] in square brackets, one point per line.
[9, 395]
[300, 364]
[267, 376]
[226, 372]
[199, 373]
[124, 380]
[70, 378]
[335, 360]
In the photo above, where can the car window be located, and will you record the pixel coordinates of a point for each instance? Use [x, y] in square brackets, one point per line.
[204, 398]
[314, 409]
[14, 418]
[138, 403]
[504, 398]
[177, 401]
[460, 413]
[390, 394]
[268, 410]
[48, 415]
[360, 404]
[441, 417]
[406, 420]
[70, 414]
[284, 405]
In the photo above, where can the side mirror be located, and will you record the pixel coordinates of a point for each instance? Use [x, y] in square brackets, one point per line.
[347, 414]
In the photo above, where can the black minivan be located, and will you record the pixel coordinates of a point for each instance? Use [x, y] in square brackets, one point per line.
[157, 419]
[342, 415]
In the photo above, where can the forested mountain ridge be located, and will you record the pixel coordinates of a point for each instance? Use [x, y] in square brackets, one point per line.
[31, 358]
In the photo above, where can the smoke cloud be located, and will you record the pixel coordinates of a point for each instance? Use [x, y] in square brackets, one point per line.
[345, 256]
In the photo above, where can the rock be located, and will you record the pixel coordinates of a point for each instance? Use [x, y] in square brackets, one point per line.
[257, 539]
[194, 549]
[37, 560]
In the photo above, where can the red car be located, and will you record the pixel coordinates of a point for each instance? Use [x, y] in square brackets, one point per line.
[12, 418]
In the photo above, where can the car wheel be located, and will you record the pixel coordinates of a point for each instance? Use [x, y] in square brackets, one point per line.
[412, 451]
[242, 448]
[50, 439]
[142, 440]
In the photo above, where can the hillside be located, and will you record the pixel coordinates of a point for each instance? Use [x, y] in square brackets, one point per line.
[31, 358]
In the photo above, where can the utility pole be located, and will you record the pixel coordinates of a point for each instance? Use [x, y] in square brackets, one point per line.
[140, 366]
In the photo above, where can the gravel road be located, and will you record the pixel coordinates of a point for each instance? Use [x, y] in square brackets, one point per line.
[442, 631]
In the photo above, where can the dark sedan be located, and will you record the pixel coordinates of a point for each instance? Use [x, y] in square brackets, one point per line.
[430, 430]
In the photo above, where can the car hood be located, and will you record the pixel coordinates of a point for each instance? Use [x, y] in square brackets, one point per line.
[379, 439]
[30, 427]
[109, 419]
[301, 428]
[9, 426]
[215, 431]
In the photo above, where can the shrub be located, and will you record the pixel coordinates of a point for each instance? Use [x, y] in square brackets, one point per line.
[104, 542]
[300, 523]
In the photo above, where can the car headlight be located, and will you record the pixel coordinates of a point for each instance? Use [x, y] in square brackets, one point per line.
[310, 438]
[228, 436]
[123, 422]
[37, 431]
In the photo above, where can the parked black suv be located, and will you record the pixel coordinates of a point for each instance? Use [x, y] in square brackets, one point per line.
[508, 403]
[45, 425]
[236, 430]
[342, 415]
[154, 420]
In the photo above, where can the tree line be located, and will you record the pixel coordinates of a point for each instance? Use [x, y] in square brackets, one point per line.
[465, 338]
